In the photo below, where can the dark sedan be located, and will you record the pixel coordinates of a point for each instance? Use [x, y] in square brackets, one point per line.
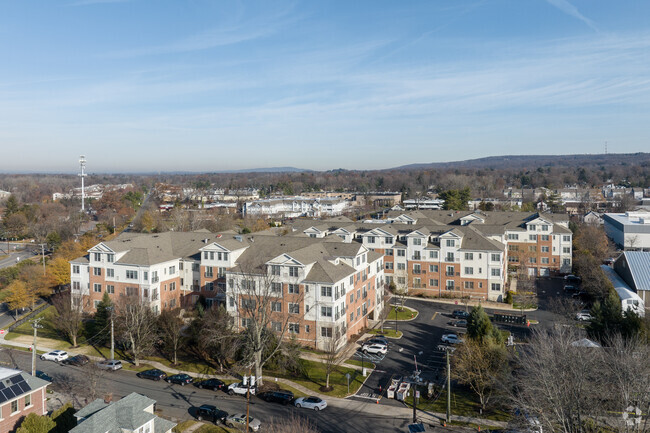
[153, 374]
[212, 413]
[180, 379]
[213, 384]
[77, 360]
[460, 314]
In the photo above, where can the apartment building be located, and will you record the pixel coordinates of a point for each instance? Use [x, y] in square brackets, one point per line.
[20, 395]
[294, 207]
[457, 254]
[322, 288]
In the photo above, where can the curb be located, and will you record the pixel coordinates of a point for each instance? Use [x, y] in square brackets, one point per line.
[453, 302]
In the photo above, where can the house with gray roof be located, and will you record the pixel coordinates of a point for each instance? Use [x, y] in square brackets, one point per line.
[132, 414]
[20, 395]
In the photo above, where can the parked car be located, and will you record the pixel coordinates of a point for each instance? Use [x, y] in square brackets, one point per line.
[374, 349]
[55, 355]
[572, 279]
[153, 374]
[582, 296]
[281, 396]
[181, 379]
[451, 339]
[460, 314]
[209, 412]
[584, 315]
[239, 421]
[213, 384]
[41, 375]
[240, 388]
[459, 323]
[569, 288]
[110, 364]
[311, 403]
[77, 360]
[379, 339]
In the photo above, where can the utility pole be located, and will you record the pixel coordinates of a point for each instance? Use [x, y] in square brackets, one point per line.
[112, 334]
[35, 324]
[43, 256]
[248, 396]
[448, 388]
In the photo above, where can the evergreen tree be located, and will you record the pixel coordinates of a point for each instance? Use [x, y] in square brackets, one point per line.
[478, 324]
[102, 319]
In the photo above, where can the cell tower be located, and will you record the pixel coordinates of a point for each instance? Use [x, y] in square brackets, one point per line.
[82, 164]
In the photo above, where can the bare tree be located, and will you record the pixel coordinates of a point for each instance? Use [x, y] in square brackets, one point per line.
[69, 315]
[171, 324]
[136, 324]
[479, 365]
[333, 358]
[291, 424]
[215, 335]
[558, 382]
[265, 329]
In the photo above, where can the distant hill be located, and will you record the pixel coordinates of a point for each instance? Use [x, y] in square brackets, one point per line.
[266, 170]
[515, 161]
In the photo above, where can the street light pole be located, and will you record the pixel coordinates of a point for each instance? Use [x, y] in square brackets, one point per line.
[448, 389]
[248, 397]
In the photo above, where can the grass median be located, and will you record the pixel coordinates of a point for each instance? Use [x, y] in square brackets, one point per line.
[388, 333]
[403, 313]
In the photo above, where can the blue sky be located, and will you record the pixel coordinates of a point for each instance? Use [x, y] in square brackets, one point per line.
[206, 85]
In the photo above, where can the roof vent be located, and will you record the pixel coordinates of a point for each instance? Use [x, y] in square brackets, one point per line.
[238, 238]
[206, 240]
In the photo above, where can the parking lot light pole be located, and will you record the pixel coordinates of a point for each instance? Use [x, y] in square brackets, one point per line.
[448, 389]
[35, 324]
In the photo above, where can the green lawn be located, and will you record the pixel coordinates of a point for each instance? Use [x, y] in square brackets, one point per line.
[463, 402]
[314, 377]
[389, 333]
[47, 330]
[357, 362]
[182, 426]
[403, 313]
[208, 428]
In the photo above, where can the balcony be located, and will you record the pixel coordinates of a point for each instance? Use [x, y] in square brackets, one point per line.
[449, 274]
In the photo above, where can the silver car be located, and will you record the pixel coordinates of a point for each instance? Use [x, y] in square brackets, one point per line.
[109, 364]
[311, 403]
[238, 421]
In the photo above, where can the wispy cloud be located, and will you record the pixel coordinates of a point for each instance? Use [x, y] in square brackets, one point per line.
[573, 11]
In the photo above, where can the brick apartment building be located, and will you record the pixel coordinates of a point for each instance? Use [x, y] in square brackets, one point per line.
[325, 287]
[20, 395]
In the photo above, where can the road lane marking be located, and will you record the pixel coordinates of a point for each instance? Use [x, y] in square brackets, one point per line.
[434, 315]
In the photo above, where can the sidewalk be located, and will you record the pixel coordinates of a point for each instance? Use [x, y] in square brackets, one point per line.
[472, 303]
[344, 403]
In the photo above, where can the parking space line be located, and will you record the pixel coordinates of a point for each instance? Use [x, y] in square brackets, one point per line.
[434, 315]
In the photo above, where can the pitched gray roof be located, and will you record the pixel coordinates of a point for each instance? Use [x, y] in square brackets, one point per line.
[639, 264]
[128, 413]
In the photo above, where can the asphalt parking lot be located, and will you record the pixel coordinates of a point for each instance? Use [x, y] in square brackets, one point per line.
[422, 336]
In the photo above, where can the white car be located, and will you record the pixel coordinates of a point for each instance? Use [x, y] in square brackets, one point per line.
[451, 339]
[584, 315]
[55, 355]
[239, 422]
[374, 349]
[239, 388]
[311, 403]
[109, 364]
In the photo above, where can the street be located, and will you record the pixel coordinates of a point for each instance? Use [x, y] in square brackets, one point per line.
[178, 402]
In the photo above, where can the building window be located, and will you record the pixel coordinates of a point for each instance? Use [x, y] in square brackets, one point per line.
[14, 406]
[417, 269]
[513, 247]
[450, 284]
[110, 258]
[246, 322]
[566, 250]
[326, 332]
[388, 240]
[469, 256]
[28, 400]
[208, 272]
[401, 266]
[294, 289]
[433, 268]
[276, 326]
[276, 288]
[532, 227]
[98, 257]
[566, 238]
[294, 328]
[326, 311]
[417, 241]
[276, 306]
[76, 285]
[513, 259]
[433, 282]
[532, 260]
[495, 257]
[433, 254]
[294, 308]
[469, 284]
[75, 269]
[132, 275]
[401, 253]
[248, 303]
[97, 288]
[110, 272]
[209, 286]
[225, 256]
[110, 289]
[131, 291]
[307, 329]
[496, 286]
[389, 265]
[275, 270]
[172, 270]
[371, 239]
[389, 252]
[544, 228]
[532, 248]
[545, 260]
[545, 238]
[221, 272]
[469, 270]
[566, 261]
[401, 280]
[172, 286]
[532, 237]
[96, 302]
[326, 291]
[496, 272]
[451, 243]
[293, 271]
[545, 249]
[513, 236]
[450, 271]
[97, 271]
[450, 257]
